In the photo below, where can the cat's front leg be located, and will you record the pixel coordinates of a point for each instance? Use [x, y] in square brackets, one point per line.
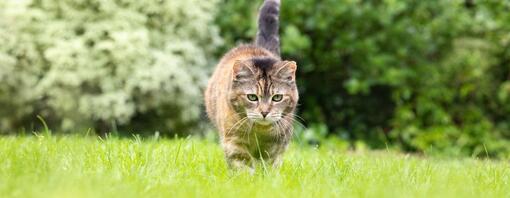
[276, 161]
[275, 154]
[238, 157]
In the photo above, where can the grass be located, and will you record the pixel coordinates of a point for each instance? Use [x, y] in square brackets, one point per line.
[73, 166]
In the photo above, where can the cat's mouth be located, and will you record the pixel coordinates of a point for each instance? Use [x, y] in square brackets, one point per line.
[264, 121]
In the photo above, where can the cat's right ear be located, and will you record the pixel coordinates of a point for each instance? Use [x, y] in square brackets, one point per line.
[242, 71]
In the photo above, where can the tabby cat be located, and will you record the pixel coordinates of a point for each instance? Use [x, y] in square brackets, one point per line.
[252, 95]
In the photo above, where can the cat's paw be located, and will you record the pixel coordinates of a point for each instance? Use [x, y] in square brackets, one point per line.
[241, 166]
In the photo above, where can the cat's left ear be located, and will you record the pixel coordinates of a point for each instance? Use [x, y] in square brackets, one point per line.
[242, 71]
[286, 70]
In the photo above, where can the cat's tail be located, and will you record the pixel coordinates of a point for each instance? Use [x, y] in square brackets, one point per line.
[267, 35]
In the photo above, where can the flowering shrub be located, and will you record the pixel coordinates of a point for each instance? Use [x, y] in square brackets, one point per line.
[82, 63]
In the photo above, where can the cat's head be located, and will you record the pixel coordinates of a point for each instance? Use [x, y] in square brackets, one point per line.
[264, 89]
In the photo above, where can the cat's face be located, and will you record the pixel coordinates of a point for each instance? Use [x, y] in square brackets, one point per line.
[264, 89]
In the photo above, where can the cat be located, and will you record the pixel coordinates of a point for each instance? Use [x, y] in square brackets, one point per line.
[252, 95]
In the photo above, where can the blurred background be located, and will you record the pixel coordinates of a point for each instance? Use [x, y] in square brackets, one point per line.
[418, 76]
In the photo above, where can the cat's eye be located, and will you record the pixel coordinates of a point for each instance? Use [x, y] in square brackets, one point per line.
[277, 98]
[252, 97]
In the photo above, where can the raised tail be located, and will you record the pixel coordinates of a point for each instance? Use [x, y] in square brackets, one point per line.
[267, 35]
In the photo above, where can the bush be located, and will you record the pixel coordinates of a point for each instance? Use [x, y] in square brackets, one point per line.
[124, 63]
[427, 76]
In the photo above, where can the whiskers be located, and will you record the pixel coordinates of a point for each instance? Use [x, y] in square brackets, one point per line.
[280, 129]
[236, 125]
[282, 126]
[248, 131]
[299, 121]
[253, 115]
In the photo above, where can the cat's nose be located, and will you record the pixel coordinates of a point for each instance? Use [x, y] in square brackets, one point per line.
[264, 113]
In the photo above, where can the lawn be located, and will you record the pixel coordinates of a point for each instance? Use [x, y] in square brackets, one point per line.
[72, 166]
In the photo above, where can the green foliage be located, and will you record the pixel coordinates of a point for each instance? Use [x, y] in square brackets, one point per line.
[428, 76]
[424, 76]
[70, 166]
[135, 64]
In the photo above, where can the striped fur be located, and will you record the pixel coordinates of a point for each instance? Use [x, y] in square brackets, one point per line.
[254, 130]
[267, 35]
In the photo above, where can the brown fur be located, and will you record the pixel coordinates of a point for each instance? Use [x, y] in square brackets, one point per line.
[246, 136]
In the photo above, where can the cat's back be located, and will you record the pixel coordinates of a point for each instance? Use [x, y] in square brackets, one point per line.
[241, 52]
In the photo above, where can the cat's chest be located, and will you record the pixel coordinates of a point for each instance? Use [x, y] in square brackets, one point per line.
[261, 142]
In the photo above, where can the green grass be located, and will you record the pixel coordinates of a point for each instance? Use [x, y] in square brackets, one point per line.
[89, 167]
